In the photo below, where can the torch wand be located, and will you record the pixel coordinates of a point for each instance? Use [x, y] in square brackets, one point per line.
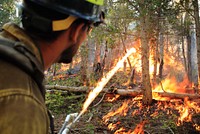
[93, 94]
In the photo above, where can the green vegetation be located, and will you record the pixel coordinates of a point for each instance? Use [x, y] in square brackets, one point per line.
[55, 101]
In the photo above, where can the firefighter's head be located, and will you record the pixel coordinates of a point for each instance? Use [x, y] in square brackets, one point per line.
[49, 18]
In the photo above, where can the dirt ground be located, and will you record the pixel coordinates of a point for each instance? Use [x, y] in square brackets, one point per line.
[127, 115]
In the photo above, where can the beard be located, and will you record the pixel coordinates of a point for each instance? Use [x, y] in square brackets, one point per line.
[68, 54]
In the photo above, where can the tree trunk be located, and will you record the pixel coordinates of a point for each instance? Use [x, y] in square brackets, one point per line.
[54, 69]
[197, 24]
[147, 98]
[189, 71]
[131, 79]
[161, 56]
[194, 60]
[93, 52]
[104, 59]
[84, 63]
[155, 61]
[124, 47]
[188, 38]
[183, 45]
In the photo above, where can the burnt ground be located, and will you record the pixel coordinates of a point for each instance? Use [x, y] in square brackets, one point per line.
[159, 118]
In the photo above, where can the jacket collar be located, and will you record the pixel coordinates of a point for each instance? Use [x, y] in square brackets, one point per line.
[16, 33]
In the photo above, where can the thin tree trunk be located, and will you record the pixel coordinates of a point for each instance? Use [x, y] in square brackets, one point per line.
[183, 45]
[155, 61]
[131, 80]
[54, 69]
[189, 72]
[188, 38]
[124, 47]
[197, 23]
[84, 63]
[104, 60]
[161, 57]
[194, 60]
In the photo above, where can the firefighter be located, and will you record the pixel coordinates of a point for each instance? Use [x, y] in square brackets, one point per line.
[51, 32]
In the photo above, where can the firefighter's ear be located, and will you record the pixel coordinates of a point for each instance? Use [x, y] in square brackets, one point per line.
[75, 31]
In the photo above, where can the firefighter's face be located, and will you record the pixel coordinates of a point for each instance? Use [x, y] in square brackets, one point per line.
[69, 53]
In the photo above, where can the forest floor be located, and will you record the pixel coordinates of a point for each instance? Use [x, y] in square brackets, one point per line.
[113, 114]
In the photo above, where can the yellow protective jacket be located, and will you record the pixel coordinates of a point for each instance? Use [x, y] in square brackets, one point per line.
[22, 103]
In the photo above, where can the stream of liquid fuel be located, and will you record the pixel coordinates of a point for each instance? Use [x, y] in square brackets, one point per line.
[93, 94]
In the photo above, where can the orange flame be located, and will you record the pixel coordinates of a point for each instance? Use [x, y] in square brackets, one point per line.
[112, 126]
[172, 86]
[185, 114]
[121, 131]
[114, 98]
[139, 128]
[121, 111]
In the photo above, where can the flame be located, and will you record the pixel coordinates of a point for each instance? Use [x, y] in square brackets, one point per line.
[92, 95]
[139, 128]
[121, 111]
[173, 63]
[121, 131]
[156, 96]
[112, 126]
[185, 114]
[185, 111]
[112, 99]
[172, 86]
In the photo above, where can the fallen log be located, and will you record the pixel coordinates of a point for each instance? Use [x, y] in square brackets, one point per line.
[123, 92]
[68, 88]
[177, 95]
